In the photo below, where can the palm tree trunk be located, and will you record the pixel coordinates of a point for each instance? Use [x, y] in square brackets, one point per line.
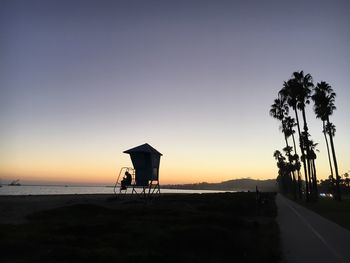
[286, 140]
[299, 177]
[287, 145]
[302, 155]
[309, 172]
[292, 173]
[311, 176]
[295, 148]
[307, 152]
[337, 180]
[329, 154]
[315, 178]
[294, 185]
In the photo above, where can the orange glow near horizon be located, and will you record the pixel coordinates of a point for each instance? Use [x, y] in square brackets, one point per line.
[99, 164]
[68, 168]
[109, 178]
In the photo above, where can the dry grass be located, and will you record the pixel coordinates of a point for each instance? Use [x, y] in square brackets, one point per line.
[227, 227]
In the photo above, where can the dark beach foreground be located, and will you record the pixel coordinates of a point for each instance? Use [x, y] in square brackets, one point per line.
[220, 227]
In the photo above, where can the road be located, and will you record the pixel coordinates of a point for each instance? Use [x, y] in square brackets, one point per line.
[308, 237]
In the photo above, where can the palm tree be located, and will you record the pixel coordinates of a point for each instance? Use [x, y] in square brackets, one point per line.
[283, 177]
[331, 133]
[279, 110]
[290, 92]
[324, 131]
[320, 107]
[289, 124]
[291, 168]
[312, 158]
[324, 98]
[347, 181]
[303, 84]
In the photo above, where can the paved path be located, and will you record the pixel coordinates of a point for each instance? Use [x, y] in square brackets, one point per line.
[308, 237]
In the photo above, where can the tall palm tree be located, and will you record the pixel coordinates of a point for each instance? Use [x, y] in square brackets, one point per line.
[330, 128]
[324, 97]
[312, 158]
[320, 107]
[290, 93]
[324, 131]
[303, 85]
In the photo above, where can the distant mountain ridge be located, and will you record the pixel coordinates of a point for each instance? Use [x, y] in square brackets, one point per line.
[243, 184]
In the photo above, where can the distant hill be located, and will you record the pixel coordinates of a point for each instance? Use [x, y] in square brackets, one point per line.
[244, 184]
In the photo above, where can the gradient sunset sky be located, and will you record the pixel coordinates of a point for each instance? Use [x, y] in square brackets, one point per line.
[82, 81]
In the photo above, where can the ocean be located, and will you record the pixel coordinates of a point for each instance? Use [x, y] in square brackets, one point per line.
[68, 190]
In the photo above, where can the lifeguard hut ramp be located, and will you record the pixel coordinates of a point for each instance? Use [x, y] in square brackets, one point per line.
[145, 160]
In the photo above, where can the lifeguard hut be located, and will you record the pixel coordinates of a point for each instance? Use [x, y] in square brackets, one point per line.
[143, 178]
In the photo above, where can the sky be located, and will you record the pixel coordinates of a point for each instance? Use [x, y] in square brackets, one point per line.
[82, 81]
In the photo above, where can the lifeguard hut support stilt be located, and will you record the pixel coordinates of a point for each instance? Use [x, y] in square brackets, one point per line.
[144, 175]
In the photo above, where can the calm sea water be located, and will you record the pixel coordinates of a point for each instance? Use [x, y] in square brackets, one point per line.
[62, 190]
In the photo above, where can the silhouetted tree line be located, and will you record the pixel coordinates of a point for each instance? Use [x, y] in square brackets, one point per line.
[294, 96]
[243, 184]
[327, 185]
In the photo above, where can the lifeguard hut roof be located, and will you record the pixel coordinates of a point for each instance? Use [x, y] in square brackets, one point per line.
[144, 148]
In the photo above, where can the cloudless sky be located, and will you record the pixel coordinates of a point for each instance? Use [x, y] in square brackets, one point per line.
[82, 81]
